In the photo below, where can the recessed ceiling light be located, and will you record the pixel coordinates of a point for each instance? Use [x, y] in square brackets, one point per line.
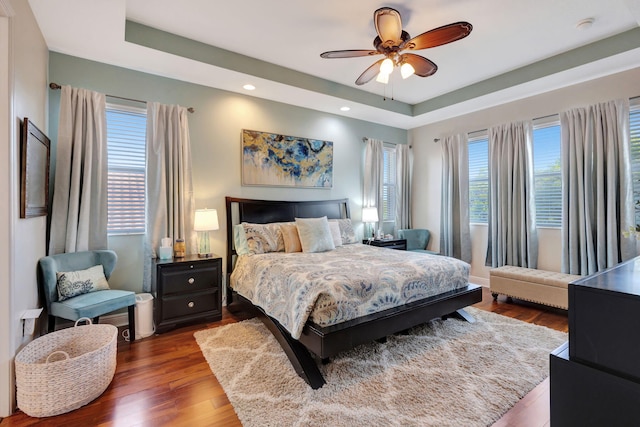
[585, 23]
[249, 87]
[345, 108]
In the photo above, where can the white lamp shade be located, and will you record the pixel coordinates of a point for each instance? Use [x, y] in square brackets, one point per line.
[407, 70]
[386, 67]
[206, 220]
[382, 78]
[370, 214]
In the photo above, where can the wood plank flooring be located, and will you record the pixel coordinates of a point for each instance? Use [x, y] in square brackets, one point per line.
[165, 380]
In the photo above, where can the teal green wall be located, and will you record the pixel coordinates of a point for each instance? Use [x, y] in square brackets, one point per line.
[215, 143]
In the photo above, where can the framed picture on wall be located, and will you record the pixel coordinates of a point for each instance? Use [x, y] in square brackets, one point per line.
[286, 161]
[34, 173]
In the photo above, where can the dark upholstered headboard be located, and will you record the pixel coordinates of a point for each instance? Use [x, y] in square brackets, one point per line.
[265, 211]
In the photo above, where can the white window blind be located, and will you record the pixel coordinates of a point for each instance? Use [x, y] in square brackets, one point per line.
[634, 130]
[389, 184]
[547, 173]
[479, 179]
[126, 135]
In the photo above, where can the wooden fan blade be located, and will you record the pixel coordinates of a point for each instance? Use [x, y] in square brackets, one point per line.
[439, 36]
[369, 73]
[423, 66]
[388, 26]
[348, 53]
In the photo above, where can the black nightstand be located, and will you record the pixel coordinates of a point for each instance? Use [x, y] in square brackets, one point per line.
[400, 244]
[186, 290]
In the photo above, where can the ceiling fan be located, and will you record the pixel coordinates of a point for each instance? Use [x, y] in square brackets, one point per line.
[392, 40]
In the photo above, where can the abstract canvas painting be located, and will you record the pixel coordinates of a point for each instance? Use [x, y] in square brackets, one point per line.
[286, 161]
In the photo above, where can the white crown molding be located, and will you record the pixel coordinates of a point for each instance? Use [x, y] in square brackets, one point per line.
[634, 9]
[6, 9]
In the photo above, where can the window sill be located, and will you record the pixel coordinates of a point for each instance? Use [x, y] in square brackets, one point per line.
[125, 234]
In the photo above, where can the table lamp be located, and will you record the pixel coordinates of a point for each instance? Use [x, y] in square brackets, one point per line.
[370, 216]
[206, 220]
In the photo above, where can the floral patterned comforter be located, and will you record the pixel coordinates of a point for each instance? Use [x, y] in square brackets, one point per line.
[351, 281]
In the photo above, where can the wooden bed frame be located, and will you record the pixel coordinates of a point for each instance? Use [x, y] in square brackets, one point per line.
[325, 342]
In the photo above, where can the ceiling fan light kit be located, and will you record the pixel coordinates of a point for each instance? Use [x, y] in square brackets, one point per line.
[383, 78]
[406, 70]
[392, 39]
[387, 66]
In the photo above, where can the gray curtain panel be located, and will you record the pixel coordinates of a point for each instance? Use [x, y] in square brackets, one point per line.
[512, 235]
[373, 169]
[170, 205]
[404, 171]
[455, 235]
[79, 211]
[597, 192]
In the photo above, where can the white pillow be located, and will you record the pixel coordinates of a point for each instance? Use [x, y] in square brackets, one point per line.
[73, 283]
[334, 227]
[315, 235]
[346, 230]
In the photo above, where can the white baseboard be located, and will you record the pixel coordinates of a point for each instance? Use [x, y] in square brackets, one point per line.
[479, 281]
[120, 319]
[117, 320]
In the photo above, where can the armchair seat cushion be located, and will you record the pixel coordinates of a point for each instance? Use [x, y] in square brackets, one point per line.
[93, 304]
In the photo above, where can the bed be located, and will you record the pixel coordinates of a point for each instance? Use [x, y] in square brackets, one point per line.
[313, 339]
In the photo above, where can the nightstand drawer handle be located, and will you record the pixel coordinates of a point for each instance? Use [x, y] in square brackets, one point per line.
[191, 304]
[191, 280]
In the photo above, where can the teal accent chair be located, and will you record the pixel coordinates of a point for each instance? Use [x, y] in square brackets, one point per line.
[417, 240]
[91, 305]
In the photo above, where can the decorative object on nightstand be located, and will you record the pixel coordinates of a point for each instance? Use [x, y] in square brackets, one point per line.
[206, 220]
[165, 251]
[186, 290]
[179, 248]
[370, 216]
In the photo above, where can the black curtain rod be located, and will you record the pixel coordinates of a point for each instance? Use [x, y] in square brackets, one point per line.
[56, 86]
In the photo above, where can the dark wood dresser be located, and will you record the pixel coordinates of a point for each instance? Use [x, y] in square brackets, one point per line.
[186, 290]
[595, 377]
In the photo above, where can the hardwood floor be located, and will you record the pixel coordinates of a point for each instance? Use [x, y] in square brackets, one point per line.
[165, 380]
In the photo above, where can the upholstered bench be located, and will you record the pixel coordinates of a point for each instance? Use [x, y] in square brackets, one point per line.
[544, 287]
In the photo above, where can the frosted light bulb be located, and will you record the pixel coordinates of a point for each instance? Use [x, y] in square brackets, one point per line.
[407, 70]
[387, 66]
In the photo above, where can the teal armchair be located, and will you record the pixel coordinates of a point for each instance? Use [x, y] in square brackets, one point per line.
[92, 304]
[417, 239]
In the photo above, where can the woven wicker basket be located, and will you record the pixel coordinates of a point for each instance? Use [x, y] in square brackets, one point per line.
[66, 369]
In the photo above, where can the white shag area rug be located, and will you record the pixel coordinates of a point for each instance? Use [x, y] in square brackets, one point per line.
[444, 373]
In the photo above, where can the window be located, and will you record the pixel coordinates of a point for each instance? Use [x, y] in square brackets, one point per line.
[547, 173]
[389, 184]
[634, 131]
[478, 179]
[126, 135]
